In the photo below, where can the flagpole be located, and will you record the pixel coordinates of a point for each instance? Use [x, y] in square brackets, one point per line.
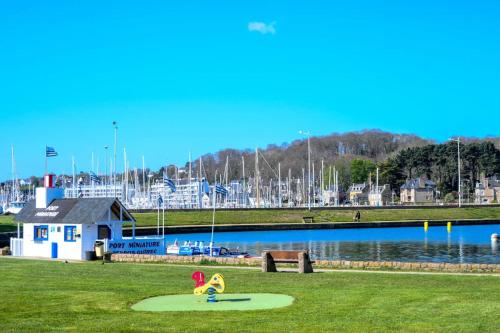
[45, 159]
[213, 215]
[158, 221]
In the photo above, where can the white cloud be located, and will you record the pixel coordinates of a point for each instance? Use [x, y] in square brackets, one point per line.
[262, 27]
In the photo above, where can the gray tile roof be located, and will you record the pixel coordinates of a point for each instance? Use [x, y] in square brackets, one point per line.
[78, 211]
[357, 187]
[418, 183]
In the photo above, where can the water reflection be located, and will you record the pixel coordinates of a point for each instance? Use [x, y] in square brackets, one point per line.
[465, 244]
[383, 251]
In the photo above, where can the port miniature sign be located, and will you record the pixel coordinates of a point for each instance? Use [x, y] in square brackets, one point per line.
[137, 246]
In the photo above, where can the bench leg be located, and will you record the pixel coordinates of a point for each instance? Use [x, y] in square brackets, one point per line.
[305, 265]
[268, 264]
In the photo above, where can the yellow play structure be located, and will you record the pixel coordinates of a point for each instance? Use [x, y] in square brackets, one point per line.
[214, 285]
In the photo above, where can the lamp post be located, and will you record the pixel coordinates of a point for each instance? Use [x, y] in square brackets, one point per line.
[459, 179]
[308, 134]
[106, 168]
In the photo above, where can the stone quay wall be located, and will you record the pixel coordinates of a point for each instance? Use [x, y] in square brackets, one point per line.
[195, 260]
[328, 264]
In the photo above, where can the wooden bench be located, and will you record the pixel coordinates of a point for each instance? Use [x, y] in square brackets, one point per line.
[270, 258]
[308, 219]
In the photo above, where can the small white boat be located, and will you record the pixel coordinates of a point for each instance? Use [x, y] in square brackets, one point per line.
[173, 248]
[15, 207]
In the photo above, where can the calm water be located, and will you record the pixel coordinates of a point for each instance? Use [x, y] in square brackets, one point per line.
[465, 244]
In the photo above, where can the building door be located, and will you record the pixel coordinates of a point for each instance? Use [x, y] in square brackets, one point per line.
[54, 251]
[103, 232]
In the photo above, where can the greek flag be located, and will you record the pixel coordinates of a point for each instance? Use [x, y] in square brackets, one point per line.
[50, 152]
[160, 201]
[221, 189]
[170, 183]
[95, 178]
[205, 187]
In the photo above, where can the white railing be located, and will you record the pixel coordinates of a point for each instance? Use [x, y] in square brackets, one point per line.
[16, 247]
[105, 241]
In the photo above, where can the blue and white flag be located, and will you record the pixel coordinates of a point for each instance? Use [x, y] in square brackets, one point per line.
[221, 189]
[160, 201]
[205, 187]
[170, 183]
[50, 152]
[95, 178]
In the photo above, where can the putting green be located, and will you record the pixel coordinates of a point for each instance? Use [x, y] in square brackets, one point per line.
[225, 302]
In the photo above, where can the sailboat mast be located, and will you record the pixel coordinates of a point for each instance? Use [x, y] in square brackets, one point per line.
[189, 183]
[213, 215]
[257, 176]
[322, 180]
[289, 186]
[244, 182]
[143, 176]
[74, 175]
[14, 181]
[125, 174]
[279, 185]
[313, 186]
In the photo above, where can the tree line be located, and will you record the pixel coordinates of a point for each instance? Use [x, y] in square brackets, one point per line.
[439, 162]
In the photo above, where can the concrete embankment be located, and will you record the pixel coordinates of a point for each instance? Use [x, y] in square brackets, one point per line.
[152, 230]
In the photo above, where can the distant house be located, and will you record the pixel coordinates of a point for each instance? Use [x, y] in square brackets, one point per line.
[380, 196]
[418, 191]
[487, 190]
[358, 194]
[330, 196]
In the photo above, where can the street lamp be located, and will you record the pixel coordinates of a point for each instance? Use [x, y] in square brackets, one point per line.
[308, 134]
[106, 168]
[115, 126]
[458, 163]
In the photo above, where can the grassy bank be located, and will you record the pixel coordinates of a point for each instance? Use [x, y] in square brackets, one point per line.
[44, 296]
[6, 223]
[295, 216]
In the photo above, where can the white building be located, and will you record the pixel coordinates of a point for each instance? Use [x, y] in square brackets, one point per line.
[379, 195]
[95, 191]
[54, 227]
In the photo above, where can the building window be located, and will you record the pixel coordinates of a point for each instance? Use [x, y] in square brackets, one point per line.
[70, 233]
[41, 232]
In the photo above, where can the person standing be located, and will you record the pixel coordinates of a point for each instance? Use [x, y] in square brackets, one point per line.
[357, 217]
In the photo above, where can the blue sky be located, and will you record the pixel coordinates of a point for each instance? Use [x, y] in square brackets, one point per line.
[200, 76]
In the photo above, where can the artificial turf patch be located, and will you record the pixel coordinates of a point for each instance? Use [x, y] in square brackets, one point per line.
[225, 302]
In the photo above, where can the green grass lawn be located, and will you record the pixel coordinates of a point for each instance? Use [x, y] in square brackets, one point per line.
[295, 216]
[6, 223]
[42, 296]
